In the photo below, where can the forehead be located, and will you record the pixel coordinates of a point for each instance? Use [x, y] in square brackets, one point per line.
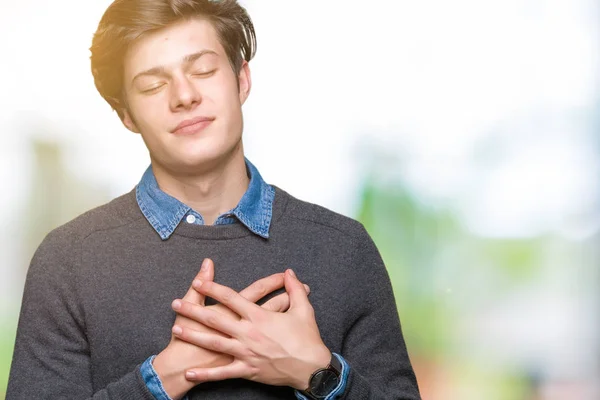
[168, 46]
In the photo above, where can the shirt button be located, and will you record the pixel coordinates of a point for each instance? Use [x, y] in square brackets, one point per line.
[190, 219]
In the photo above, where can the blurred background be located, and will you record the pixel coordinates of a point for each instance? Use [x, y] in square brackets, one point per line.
[464, 135]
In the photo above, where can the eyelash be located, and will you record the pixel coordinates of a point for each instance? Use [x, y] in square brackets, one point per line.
[203, 74]
[200, 75]
[154, 89]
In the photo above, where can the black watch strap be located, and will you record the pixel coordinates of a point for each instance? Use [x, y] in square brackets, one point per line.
[324, 380]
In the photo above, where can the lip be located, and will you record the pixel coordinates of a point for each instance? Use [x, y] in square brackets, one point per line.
[193, 125]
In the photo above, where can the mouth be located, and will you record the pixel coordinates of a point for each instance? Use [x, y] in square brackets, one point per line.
[192, 126]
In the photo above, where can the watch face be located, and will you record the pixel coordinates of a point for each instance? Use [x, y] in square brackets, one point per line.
[323, 383]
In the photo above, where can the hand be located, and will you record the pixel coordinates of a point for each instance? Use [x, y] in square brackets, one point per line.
[168, 362]
[179, 355]
[274, 348]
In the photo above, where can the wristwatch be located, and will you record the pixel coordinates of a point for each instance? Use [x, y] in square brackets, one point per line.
[324, 380]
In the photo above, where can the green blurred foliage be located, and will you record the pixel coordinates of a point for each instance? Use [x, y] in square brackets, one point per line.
[7, 342]
[443, 275]
[408, 237]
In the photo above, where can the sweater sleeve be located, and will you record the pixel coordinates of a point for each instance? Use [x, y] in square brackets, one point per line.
[51, 358]
[374, 346]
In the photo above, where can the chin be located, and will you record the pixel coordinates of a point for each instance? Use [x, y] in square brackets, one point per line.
[202, 154]
[199, 160]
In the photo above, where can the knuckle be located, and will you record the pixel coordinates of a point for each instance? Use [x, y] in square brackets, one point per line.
[227, 297]
[276, 304]
[221, 375]
[256, 316]
[254, 372]
[284, 305]
[272, 282]
[277, 279]
[216, 344]
[255, 335]
[260, 289]
[247, 354]
[207, 286]
[211, 320]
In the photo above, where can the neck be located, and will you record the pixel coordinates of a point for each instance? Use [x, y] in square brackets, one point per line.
[213, 190]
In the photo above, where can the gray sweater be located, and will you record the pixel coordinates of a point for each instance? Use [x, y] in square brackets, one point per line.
[99, 288]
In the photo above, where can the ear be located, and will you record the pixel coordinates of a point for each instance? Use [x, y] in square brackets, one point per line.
[245, 82]
[128, 122]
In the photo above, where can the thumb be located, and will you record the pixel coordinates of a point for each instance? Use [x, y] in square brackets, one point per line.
[295, 289]
[206, 273]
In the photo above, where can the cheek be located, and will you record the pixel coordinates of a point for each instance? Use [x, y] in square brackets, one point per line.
[148, 112]
[228, 102]
[224, 89]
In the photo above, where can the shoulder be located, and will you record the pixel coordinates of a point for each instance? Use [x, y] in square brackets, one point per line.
[322, 219]
[56, 261]
[117, 213]
[343, 239]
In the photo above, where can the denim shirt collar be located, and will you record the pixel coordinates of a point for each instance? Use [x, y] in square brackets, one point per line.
[165, 212]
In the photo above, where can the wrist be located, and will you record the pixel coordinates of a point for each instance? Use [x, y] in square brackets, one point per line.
[171, 375]
[320, 359]
[329, 382]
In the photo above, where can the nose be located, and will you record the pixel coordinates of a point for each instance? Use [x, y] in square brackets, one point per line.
[185, 95]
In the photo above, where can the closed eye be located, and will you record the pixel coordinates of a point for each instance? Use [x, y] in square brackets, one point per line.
[153, 89]
[204, 74]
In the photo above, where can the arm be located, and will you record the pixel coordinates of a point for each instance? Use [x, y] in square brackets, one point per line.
[374, 347]
[51, 357]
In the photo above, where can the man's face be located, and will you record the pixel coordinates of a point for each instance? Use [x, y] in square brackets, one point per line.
[183, 96]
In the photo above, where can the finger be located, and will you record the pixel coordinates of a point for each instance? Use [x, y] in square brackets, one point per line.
[280, 303]
[209, 272]
[293, 287]
[206, 273]
[209, 341]
[236, 369]
[228, 297]
[306, 288]
[208, 317]
[262, 287]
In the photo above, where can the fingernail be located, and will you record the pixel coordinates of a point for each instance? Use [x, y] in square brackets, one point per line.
[307, 288]
[190, 375]
[197, 283]
[176, 305]
[177, 330]
[292, 273]
[203, 266]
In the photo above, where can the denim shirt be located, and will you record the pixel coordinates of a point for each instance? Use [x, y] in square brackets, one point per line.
[254, 211]
[165, 212]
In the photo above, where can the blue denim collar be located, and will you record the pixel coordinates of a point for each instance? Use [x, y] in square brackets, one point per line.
[165, 212]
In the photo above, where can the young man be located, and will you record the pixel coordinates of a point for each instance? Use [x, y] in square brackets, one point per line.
[99, 319]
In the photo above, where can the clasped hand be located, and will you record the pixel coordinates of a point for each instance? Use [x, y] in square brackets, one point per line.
[171, 363]
[262, 343]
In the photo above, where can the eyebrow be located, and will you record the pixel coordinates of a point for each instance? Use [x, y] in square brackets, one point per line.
[155, 71]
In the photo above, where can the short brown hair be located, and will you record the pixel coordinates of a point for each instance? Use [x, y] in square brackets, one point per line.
[127, 20]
